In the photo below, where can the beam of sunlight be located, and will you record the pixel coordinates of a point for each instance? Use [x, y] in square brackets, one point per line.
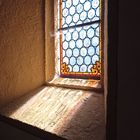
[51, 108]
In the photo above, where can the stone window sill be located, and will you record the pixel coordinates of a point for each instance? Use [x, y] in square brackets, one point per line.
[82, 84]
[61, 111]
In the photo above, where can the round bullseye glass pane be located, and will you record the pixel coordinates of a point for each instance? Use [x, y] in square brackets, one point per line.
[97, 50]
[65, 12]
[70, 68]
[72, 10]
[95, 58]
[75, 35]
[83, 15]
[87, 42]
[68, 3]
[75, 17]
[97, 31]
[79, 8]
[68, 36]
[90, 33]
[76, 52]
[83, 52]
[68, 19]
[89, 68]
[63, 37]
[91, 13]
[69, 52]
[83, 68]
[87, 5]
[66, 60]
[95, 41]
[63, 53]
[76, 68]
[65, 45]
[80, 60]
[95, 3]
[82, 34]
[91, 51]
[63, 21]
[79, 43]
[72, 44]
[75, 2]
[97, 12]
[87, 60]
[72, 61]
[82, 1]
[63, 5]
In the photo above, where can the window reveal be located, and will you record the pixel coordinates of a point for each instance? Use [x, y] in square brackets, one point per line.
[80, 38]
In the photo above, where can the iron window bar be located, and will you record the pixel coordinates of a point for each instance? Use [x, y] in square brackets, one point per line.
[79, 25]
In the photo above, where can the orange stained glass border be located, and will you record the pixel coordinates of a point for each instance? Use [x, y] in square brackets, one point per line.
[96, 70]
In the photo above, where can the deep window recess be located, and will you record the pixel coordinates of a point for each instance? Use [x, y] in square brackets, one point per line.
[80, 38]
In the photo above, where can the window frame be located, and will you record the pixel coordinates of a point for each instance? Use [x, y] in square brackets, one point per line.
[83, 75]
[51, 12]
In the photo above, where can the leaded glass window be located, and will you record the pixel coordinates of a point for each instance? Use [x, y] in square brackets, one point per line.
[80, 38]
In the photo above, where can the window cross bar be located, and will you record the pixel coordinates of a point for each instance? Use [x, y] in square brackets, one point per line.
[79, 25]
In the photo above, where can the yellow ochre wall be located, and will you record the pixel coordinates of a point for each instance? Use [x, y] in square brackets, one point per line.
[21, 48]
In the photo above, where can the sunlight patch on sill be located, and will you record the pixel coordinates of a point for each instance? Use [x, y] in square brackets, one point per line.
[50, 109]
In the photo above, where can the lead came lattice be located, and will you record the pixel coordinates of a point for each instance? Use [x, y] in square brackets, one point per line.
[80, 49]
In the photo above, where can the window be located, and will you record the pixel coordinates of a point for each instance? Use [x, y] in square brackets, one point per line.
[80, 39]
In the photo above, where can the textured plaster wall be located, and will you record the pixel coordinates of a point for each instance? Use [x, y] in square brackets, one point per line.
[49, 40]
[21, 47]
